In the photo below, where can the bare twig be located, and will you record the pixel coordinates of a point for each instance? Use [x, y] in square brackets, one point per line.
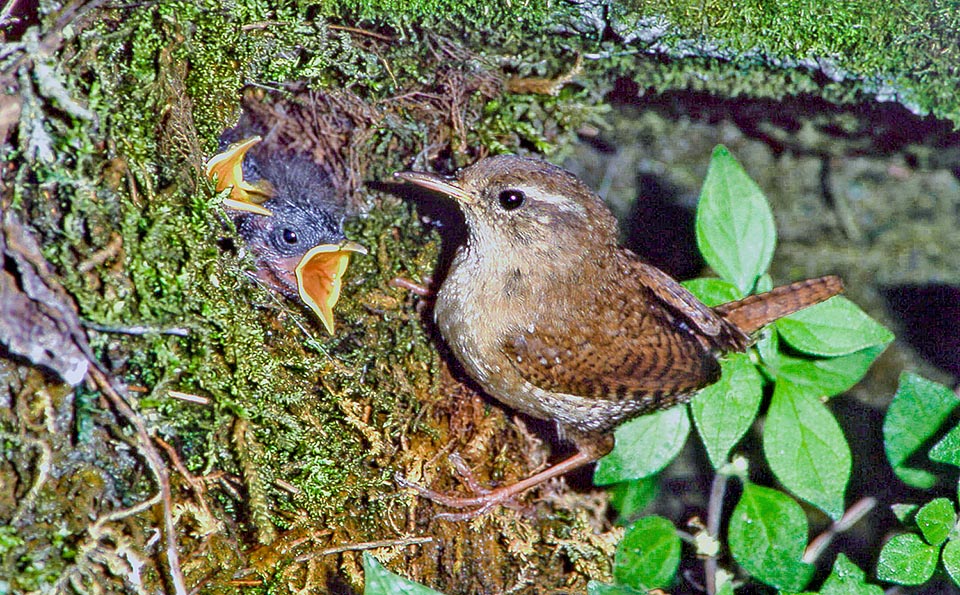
[849, 519]
[190, 398]
[5, 18]
[158, 469]
[43, 473]
[111, 250]
[379, 36]
[366, 545]
[135, 330]
[263, 25]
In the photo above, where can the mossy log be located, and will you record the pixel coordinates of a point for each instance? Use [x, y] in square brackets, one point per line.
[280, 443]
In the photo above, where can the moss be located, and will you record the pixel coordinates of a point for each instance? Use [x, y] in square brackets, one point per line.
[301, 430]
[452, 16]
[902, 50]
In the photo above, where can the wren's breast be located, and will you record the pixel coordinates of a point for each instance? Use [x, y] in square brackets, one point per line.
[473, 314]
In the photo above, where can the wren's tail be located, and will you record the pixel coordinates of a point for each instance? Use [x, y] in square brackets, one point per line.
[752, 312]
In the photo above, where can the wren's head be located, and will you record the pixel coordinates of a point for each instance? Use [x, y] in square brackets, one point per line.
[515, 206]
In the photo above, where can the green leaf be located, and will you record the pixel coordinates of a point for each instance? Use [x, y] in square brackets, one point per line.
[948, 449]
[936, 519]
[644, 445]
[907, 560]
[903, 512]
[917, 478]
[380, 581]
[847, 579]
[630, 497]
[648, 555]
[916, 413]
[767, 536]
[768, 346]
[735, 228]
[764, 283]
[712, 291]
[806, 449]
[834, 327]
[951, 560]
[725, 410]
[595, 588]
[826, 377]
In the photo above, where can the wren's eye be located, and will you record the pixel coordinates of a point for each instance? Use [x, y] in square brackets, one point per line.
[289, 236]
[511, 199]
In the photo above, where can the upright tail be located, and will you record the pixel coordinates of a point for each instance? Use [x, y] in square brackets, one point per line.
[755, 311]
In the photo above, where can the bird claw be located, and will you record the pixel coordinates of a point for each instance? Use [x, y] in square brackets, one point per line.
[466, 475]
[482, 502]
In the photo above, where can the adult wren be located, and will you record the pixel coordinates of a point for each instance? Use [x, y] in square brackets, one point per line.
[285, 209]
[551, 317]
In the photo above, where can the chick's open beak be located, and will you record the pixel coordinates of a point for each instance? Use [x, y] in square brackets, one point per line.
[226, 171]
[319, 277]
[435, 183]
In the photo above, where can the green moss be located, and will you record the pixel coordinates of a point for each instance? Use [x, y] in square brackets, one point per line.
[306, 425]
[901, 50]
[449, 15]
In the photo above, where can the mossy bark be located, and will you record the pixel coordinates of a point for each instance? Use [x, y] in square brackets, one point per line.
[283, 451]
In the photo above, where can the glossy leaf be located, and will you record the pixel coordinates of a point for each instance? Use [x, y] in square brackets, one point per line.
[380, 581]
[831, 328]
[951, 560]
[712, 291]
[904, 512]
[846, 578]
[628, 498]
[725, 410]
[595, 588]
[726, 588]
[947, 450]
[907, 560]
[735, 228]
[644, 446]
[826, 376]
[648, 555]
[767, 536]
[917, 478]
[936, 519]
[768, 346]
[806, 449]
[916, 413]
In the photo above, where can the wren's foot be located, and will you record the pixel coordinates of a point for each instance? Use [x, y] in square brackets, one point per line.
[483, 501]
[486, 499]
[422, 290]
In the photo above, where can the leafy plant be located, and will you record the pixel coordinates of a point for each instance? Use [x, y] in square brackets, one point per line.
[916, 414]
[796, 365]
[808, 357]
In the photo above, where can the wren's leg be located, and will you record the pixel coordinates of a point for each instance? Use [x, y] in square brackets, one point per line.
[487, 499]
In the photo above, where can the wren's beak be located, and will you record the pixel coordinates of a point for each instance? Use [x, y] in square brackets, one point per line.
[226, 171]
[437, 184]
[319, 277]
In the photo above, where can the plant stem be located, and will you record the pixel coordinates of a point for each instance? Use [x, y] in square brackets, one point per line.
[718, 490]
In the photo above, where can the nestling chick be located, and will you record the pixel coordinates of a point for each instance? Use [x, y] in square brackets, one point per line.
[286, 211]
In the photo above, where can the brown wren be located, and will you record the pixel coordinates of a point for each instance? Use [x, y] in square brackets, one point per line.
[553, 318]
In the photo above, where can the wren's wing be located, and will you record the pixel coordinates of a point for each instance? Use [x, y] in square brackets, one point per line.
[636, 343]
